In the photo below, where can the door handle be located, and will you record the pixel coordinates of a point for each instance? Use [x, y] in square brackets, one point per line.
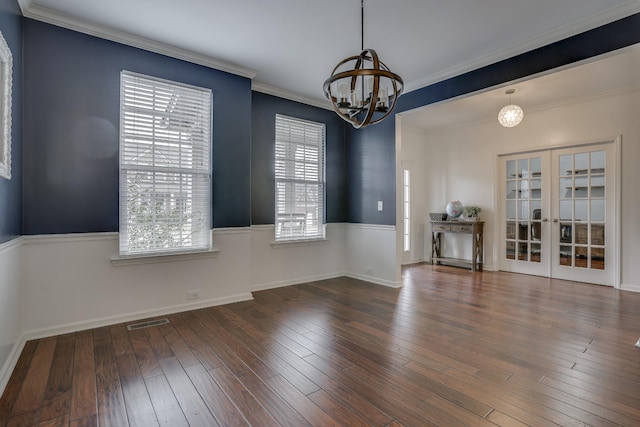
[545, 219]
[555, 219]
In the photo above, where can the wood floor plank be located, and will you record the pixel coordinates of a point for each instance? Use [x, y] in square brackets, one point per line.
[57, 398]
[277, 407]
[166, 406]
[147, 359]
[223, 327]
[315, 415]
[90, 421]
[55, 408]
[449, 348]
[194, 408]
[84, 399]
[161, 348]
[178, 346]
[34, 386]
[61, 421]
[111, 406]
[214, 397]
[200, 349]
[120, 338]
[140, 412]
[252, 410]
[342, 414]
[11, 391]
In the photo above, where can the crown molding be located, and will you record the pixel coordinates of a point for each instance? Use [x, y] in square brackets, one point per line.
[628, 8]
[39, 13]
[282, 93]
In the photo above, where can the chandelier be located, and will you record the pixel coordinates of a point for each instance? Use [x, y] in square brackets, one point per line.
[362, 89]
[510, 115]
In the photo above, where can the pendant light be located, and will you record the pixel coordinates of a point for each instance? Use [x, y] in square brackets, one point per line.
[510, 115]
[362, 90]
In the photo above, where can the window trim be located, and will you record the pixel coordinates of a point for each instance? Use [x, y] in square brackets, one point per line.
[300, 238]
[199, 176]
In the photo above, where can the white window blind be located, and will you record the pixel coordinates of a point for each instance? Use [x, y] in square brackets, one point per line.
[165, 176]
[299, 173]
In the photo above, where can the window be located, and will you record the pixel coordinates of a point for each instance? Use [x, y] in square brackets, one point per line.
[299, 169]
[165, 177]
[406, 218]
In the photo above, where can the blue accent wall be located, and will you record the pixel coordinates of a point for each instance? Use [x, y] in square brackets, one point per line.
[11, 190]
[372, 173]
[265, 108]
[371, 158]
[71, 107]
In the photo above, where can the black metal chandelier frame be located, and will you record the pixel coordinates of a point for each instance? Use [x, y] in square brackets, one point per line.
[358, 75]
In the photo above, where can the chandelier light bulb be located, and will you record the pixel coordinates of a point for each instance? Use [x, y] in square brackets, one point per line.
[510, 115]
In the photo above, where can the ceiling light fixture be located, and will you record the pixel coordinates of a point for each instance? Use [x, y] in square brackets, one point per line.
[362, 89]
[510, 115]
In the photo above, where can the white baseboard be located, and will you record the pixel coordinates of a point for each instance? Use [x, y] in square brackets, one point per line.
[11, 362]
[632, 288]
[282, 284]
[112, 320]
[415, 261]
[375, 280]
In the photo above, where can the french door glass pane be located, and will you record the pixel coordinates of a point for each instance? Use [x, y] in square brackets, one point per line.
[582, 209]
[523, 208]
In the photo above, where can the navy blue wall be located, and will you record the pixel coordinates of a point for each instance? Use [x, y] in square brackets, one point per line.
[11, 190]
[71, 107]
[265, 108]
[371, 159]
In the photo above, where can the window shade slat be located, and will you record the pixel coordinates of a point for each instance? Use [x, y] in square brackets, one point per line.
[165, 172]
[299, 173]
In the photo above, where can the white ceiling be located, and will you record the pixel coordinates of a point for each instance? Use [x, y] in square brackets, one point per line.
[289, 47]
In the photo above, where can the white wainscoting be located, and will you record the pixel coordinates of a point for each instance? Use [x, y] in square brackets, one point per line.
[370, 252]
[70, 284]
[282, 264]
[55, 284]
[11, 338]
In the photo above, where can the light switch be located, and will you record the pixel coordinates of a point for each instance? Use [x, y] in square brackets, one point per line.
[380, 205]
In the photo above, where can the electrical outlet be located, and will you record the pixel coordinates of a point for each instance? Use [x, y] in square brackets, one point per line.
[380, 205]
[368, 270]
[193, 295]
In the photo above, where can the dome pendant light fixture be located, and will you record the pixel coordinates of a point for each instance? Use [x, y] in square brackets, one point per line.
[510, 115]
[362, 89]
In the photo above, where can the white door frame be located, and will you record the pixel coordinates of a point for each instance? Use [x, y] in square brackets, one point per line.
[499, 234]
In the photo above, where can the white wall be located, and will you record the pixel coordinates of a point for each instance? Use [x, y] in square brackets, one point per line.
[10, 308]
[370, 252]
[283, 264]
[461, 162]
[69, 282]
[412, 155]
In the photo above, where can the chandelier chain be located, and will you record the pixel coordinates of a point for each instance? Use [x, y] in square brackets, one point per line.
[361, 25]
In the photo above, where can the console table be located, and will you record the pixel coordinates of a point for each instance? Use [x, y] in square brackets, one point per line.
[472, 228]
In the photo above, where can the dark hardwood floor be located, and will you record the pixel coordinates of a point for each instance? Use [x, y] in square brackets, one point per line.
[450, 348]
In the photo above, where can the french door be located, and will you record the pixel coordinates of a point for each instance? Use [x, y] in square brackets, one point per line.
[558, 213]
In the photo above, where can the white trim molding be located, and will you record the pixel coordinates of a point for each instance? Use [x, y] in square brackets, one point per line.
[293, 282]
[130, 317]
[282, 93]
[120, 261]
[11, 244]
[10, 364]
[6, 82]
[607, 16]
[40, 13]
[375, 280]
